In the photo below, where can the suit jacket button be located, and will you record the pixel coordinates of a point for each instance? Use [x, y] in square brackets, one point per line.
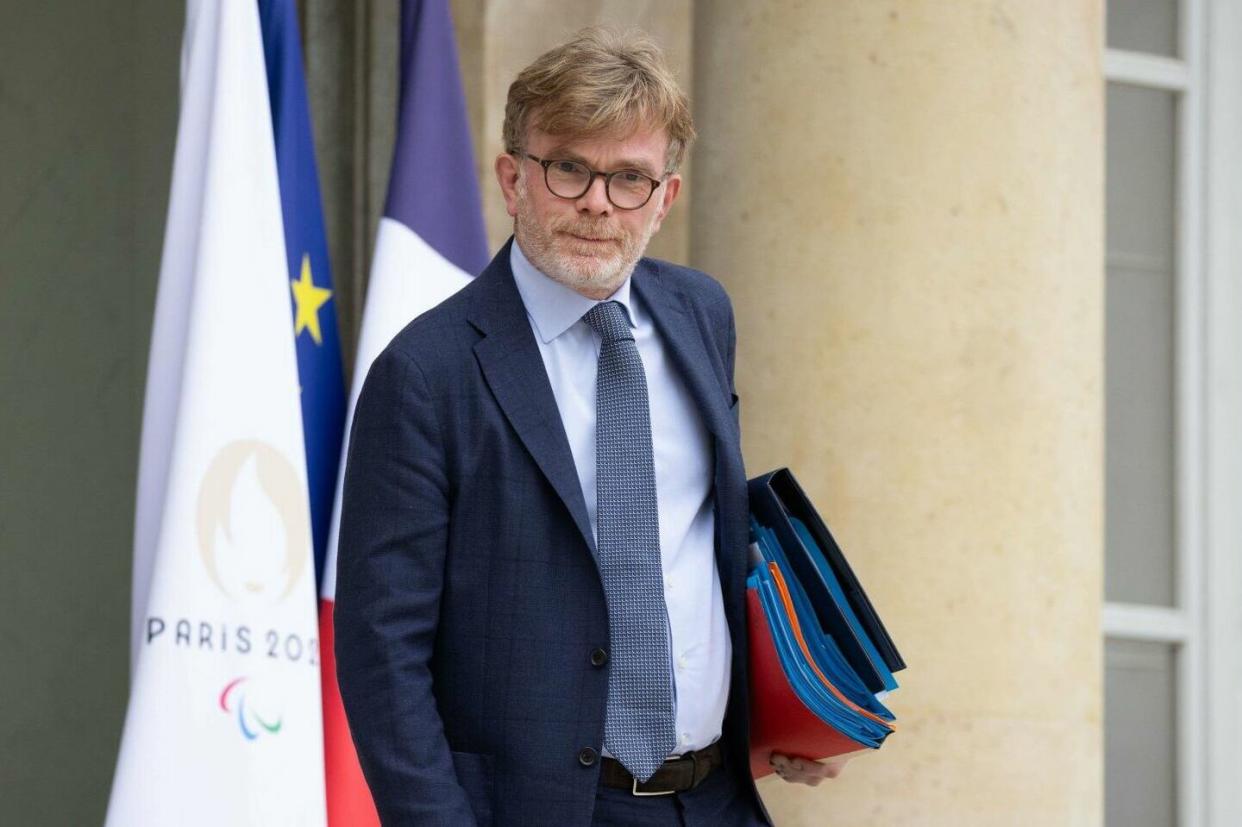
[599, 656]
[587, 757]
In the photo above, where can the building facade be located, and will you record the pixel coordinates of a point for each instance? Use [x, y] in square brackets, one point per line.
[989, 304]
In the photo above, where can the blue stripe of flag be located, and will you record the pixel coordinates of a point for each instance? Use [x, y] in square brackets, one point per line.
[319, 364]
[434, 189]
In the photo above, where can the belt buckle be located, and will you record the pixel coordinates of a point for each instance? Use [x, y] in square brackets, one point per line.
[694, 760]
[634, 790]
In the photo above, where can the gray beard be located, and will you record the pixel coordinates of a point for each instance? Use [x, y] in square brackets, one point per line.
[600, 276]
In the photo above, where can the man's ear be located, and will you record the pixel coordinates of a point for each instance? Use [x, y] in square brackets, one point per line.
[668, 194]
[507, 176]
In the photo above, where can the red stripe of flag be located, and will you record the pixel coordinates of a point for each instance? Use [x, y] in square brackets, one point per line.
[349, 798]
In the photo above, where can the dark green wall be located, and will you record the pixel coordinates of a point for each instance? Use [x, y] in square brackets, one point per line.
[88, 97]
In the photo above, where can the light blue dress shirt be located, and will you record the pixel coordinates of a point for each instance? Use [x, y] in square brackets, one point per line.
[684, 468]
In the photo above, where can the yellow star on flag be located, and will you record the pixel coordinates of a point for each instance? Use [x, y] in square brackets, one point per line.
[309, 299]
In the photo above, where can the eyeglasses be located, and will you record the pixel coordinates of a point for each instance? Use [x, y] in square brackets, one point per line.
[627, 189]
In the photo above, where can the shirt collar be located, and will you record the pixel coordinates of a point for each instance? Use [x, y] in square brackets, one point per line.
[553, 307]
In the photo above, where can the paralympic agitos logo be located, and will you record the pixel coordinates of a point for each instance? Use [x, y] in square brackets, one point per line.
[236, 700]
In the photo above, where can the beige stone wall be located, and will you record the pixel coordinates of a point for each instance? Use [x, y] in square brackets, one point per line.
[905, 202]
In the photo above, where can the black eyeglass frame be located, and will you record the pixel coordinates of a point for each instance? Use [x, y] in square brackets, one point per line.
[607, 176]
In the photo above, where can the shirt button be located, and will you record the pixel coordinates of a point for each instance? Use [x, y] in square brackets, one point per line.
[587, 756]
[599, 656]
[668, 584]
[681, 661]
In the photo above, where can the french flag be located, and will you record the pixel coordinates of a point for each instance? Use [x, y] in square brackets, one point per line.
[430, 243]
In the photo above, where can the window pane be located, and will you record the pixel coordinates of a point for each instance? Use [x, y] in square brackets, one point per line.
[1143, 26]
[1139, 346]
[1139, 734]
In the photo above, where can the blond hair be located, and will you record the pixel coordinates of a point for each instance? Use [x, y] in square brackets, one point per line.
[600, 82]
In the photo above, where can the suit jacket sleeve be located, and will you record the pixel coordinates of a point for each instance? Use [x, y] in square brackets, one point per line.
[390, 571]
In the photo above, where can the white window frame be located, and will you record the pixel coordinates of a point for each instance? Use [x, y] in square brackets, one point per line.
[1182, 624]
[1205, 625]
[1222, 416]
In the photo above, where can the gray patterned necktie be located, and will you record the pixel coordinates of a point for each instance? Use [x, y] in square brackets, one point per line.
[640, 729]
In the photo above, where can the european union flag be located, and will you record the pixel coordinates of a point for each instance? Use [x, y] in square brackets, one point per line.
[306, 247]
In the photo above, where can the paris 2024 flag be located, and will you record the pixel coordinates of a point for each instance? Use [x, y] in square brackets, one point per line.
[224, 720]
[430, 243]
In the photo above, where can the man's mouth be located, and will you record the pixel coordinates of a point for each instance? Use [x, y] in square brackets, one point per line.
[592, 239]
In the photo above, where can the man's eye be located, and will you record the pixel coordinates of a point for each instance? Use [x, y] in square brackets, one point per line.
[567, 166]
[632, 177]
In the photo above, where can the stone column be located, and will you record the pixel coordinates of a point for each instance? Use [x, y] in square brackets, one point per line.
[904, 200]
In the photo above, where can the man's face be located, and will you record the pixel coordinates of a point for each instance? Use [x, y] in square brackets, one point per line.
[586, 243]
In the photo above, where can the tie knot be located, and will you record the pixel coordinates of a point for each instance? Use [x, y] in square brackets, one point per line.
[609, 321]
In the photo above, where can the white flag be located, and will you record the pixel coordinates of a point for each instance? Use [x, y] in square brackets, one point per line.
[224, 722]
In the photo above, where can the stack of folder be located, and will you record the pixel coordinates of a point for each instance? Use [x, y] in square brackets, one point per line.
[820, 659]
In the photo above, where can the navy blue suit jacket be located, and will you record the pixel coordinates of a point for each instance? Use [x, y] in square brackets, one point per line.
[468, 602]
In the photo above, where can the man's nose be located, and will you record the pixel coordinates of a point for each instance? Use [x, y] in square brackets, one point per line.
[595, 199]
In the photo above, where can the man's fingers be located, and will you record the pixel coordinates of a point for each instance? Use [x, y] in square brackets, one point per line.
[802, 771]
[810, 768]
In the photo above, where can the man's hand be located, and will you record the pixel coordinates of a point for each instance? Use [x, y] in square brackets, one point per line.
[811, 773]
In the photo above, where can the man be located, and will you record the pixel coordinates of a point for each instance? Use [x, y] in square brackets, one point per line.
[540, 595]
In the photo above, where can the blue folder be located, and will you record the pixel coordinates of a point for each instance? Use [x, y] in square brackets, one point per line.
[824, 650]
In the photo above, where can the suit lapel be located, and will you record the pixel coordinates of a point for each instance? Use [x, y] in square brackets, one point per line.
[684, 339]
[513, 368]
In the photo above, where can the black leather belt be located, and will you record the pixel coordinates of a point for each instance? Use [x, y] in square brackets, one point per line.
[685, 772]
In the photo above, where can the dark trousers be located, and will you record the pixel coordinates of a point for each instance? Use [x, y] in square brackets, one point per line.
[719, 801]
